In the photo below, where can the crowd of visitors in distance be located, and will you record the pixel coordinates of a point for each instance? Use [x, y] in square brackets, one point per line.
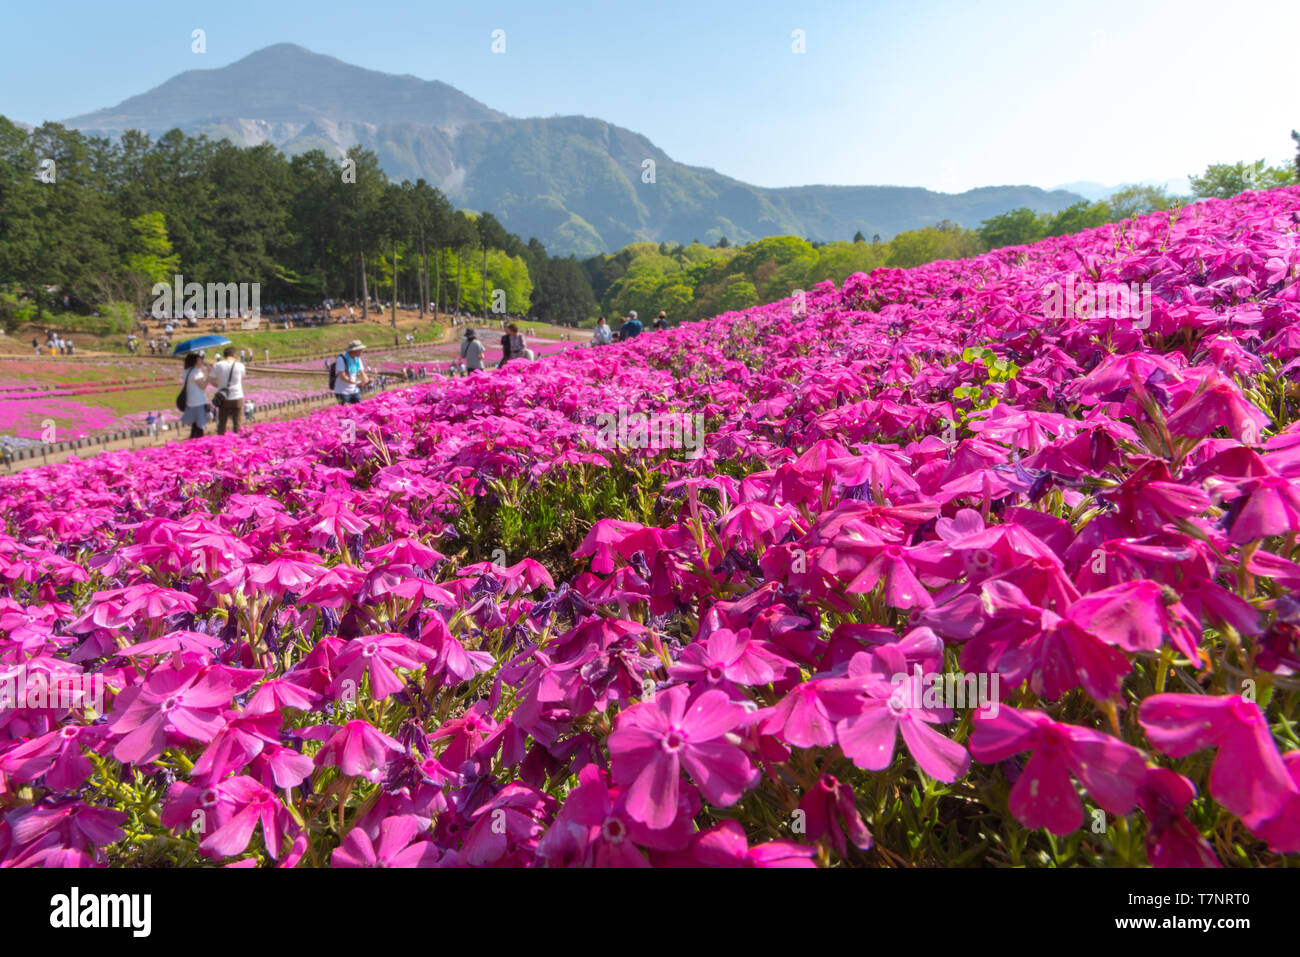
[629, 328]
[55, 345]
[514, 345]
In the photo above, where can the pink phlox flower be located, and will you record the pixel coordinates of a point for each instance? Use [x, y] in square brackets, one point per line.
[594, 829]
[358, 748]
[653, 742]
[727, 846]
[188, 702]
[1172, 840]
[400, 845]
[831, 812]
[1248, 777]
[73, 823]
[466, 734]
[883, 708]
[56, 755]
[378, 656]
[729, 656]
[511, 823]
[1109, 770]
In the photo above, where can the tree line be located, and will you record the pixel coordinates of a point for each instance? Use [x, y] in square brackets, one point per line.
[1019, 227]
[93, 221]
[98, 221]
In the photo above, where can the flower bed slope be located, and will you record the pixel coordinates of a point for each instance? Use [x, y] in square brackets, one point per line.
[455, 626]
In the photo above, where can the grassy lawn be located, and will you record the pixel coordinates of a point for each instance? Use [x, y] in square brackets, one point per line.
[279, 341]
[158, 399]
[325, 339]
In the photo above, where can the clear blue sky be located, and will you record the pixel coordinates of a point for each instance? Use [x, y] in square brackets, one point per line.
[948, 95]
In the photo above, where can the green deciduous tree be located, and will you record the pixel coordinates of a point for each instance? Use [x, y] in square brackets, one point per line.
[151, 251]
[1080, 216]
[1016, 227]
[944, 240]
[1136, 200]
[739, 294]
[1225, 180]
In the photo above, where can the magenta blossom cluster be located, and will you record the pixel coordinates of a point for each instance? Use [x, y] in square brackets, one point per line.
[950, 580]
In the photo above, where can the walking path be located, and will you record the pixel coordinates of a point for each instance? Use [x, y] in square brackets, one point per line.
[36, 456]
[88, 448]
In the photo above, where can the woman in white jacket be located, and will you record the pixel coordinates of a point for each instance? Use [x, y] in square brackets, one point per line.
[196, 396]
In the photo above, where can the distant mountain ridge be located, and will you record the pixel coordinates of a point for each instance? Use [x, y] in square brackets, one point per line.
[574, 182]
[1094, 191]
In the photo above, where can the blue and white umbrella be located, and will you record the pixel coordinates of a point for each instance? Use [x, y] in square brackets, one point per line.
[199, 342]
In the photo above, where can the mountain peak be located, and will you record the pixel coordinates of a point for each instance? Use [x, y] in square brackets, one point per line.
[574, 182]
[288, 84]
[283, 49]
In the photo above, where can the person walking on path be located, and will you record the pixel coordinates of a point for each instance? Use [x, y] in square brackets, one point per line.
[350, 374]
[513, 344]
[196, 398]
[228, 374]
[471, 350]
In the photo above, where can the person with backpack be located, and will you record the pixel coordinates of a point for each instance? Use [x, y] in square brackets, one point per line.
[349, 374]
[228, 374]
[513, 344]
[471, 350]
[631, 327]
[193, 400]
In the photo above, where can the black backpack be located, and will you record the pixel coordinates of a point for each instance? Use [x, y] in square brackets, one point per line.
[180, 396]
[333, 366]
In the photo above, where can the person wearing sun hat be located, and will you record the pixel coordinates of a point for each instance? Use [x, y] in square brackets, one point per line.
[350, 374]
[471, 350]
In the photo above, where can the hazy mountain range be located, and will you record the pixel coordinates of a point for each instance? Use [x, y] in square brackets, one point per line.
[574, 182]
[1093, 191]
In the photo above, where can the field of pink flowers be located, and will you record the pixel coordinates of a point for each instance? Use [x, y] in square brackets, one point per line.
[84, 413]
[455, 625]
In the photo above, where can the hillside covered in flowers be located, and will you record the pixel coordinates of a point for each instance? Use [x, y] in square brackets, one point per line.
[456, 625]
